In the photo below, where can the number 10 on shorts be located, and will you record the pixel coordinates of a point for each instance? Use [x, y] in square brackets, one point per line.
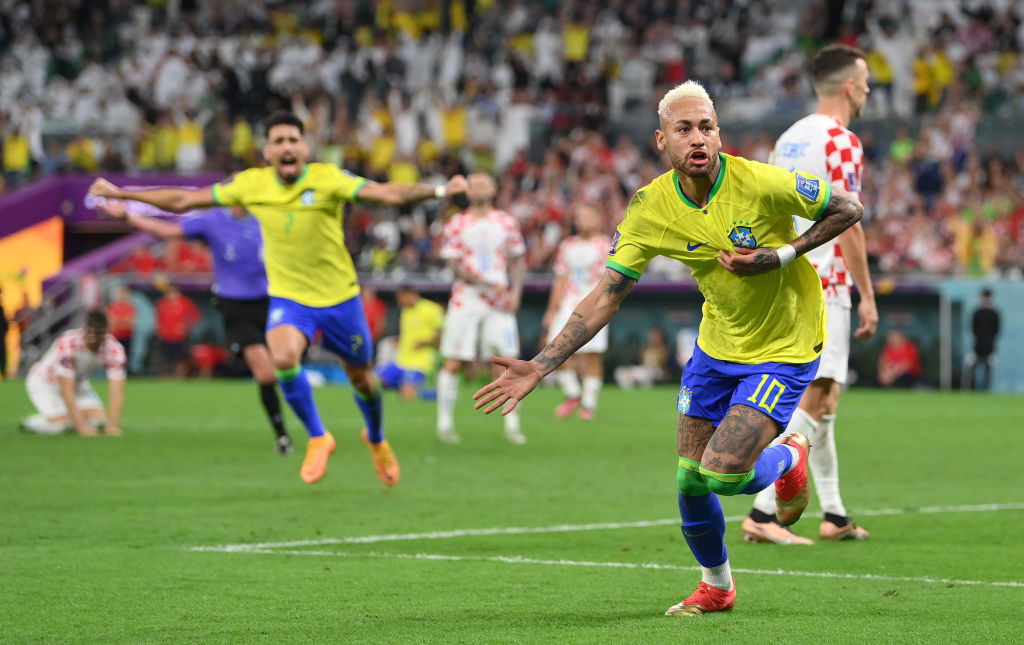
[774, 388]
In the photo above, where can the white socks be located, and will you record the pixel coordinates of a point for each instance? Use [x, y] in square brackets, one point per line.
[569, 382]
[447, 394]
[720, 576]
[824, 465]
[591, 388]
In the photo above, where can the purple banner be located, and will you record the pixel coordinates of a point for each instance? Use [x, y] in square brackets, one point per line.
[67, 196]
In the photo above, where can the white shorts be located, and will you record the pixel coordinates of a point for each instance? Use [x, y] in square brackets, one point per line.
[596, 345]
[475, 333]
[48, 401]
[835, 357]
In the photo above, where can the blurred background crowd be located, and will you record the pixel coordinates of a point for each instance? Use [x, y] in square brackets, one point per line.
[558, 99]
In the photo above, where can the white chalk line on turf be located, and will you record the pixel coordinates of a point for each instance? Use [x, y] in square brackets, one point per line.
[515, 559]
[562, 528]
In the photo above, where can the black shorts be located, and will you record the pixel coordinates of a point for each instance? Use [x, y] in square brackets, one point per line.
[245, 321]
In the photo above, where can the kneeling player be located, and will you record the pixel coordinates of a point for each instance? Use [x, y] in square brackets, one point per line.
[419, 328]
[59, 390]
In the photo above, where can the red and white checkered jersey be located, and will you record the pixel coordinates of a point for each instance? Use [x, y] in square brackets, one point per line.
[483, 246]
[581, 263]
[69, 357]
[818, 144]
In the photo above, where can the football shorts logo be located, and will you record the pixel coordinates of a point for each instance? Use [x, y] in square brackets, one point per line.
[276, 314]
[808, 187]
[683, 402]
[307, 197]
[742, 235]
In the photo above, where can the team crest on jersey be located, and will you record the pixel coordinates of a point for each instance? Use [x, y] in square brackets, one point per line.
[307, 197]
[742, 235]
[683, 402]
[808, 187]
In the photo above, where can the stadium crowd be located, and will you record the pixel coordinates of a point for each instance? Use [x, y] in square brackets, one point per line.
[538, 92]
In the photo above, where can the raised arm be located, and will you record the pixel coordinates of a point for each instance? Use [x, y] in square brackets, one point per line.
[169, 199]
[397, 194]
[590, 315]
[156, 227]
[842, 212]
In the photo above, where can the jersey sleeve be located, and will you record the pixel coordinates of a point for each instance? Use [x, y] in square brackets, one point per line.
[233, 190]
[65, 363]
[194, 228]
[844, 161]
[451, 246]
[516, 244]
[785, 193]
[344, 184]
[114, 359]
[561, 262]
[632, 245]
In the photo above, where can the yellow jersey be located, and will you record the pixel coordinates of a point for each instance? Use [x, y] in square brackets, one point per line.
[777, 316]
[418, 327]
[303, 240]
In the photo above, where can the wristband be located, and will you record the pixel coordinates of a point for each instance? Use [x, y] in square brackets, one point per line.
[440, 191]
[786, 254]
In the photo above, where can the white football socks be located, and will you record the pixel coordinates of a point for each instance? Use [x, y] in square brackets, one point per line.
[824, 465]
[591, 388]
[447, 394]
[720, 576]
[569, 382]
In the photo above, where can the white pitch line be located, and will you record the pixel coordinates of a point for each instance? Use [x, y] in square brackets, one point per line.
[562, 528]
[515, 559]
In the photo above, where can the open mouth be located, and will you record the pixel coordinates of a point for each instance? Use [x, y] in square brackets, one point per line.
[289, 162]
[699, 158]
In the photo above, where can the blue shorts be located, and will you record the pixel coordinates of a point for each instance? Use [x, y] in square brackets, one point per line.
[343, 325]
[710, 387]
[391, 375]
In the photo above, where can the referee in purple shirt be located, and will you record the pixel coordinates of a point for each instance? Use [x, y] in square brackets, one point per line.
[240, 284]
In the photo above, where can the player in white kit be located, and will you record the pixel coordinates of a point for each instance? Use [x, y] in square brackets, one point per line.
[58, 388]
[579, 266]
[484, 248]
[821, 144]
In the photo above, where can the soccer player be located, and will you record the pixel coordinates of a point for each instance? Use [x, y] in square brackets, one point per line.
[484, 248]
[579, 264]
[419, 329]
[311, 280]
[730, 221]
[58, 388]
[820, 144]
[240, 284]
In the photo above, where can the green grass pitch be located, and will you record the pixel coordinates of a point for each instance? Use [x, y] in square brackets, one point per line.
[97, 536]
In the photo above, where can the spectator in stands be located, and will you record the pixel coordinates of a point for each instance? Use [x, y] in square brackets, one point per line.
[141, 261]
[121, 319]
[985, 327]
[375, 309]
[176, 315]
[899, 364]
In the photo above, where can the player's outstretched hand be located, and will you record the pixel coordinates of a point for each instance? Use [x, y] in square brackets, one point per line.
[113, 208]
[518, 380]
[103, 188]
[867, 312]
[744, 262]
[456, 185]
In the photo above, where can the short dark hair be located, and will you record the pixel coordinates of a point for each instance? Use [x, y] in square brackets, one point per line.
[986, 293]
[282, 117]
[834, 58]
[96, 320]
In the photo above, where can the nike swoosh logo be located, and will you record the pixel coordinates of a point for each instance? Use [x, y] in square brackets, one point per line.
[690, 246]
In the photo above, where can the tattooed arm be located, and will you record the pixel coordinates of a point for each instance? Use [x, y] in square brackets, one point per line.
[842, 212]
[520, 377]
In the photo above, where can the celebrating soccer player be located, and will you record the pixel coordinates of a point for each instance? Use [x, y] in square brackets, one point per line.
[730, 220]
[240, 283]
[578, 268]
[312, 281]
[821, 145]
